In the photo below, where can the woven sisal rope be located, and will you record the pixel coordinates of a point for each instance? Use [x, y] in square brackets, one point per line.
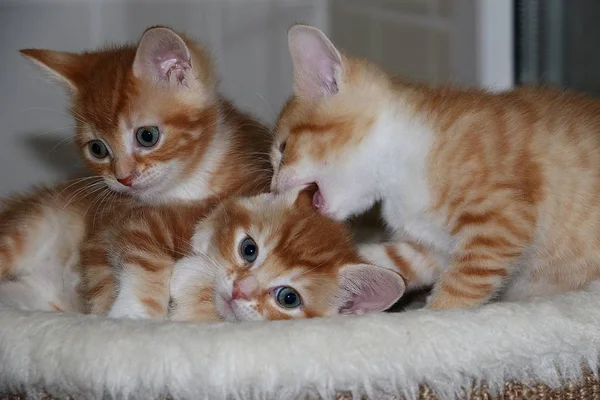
[586, 389]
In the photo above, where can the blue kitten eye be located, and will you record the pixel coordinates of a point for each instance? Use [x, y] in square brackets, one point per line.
[248, 249]
[287, 297]
[98, 149]
[147, 136]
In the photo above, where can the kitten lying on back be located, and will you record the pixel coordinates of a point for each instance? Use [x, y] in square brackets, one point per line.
[490, 195]
[153, 129]
[274, 257]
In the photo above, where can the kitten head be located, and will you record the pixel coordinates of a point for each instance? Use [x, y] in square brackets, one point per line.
[273, 257]
[144, 114]
[324, 133]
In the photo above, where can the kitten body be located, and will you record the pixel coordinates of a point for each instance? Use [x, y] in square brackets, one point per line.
[154, 130]
[489, 195]
[42, 232]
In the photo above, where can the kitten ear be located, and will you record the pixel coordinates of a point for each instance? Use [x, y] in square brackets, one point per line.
[305, 194]
[368, 288]
[68, 68]
[162, 56]
[317, 63]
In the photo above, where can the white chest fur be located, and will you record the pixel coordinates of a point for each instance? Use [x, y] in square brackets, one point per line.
[405, 188]
[408, 217]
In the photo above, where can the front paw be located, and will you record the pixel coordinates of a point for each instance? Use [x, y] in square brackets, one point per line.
[129, 312]
[444, 301]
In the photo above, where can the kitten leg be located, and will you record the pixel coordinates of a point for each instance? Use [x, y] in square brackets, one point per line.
[141, 296]
[140, 293]
[144, 264]
[143, 285]
[39, 251]
[417, 265]
[98, 287]
[27, 223]
[489, 245]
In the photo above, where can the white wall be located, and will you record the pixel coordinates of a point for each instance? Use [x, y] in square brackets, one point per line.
[467, 42]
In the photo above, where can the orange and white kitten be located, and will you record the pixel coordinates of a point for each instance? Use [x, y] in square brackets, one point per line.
[242, 261]
[272, 257]
[151, 123]
[153, 129]
[238, 257]
[490, 195]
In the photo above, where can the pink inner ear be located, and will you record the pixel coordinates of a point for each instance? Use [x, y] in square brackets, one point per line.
[160, 55]
[367, 288]
[316, 62]
[173, 66]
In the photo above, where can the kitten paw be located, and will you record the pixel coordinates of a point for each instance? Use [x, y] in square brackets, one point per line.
[127, 313]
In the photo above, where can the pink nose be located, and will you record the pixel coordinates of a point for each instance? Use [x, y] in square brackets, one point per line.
[244, 289]
[127, 181]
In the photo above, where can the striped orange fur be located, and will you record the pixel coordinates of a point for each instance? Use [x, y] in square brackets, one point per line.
[136, 255]
[500, 192]
[163, 86]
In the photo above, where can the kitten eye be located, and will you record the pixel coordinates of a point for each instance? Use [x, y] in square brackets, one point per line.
[287, 297]
[147, 136]
[98, 149]
[282, 146]
[248, 249]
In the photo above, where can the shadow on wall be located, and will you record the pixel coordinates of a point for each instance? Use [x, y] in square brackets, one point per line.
[57, 152]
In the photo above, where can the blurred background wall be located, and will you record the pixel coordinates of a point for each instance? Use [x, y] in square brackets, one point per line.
[463, 41]
[557, 42]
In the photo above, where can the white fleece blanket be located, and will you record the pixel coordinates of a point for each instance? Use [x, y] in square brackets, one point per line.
[544, 341]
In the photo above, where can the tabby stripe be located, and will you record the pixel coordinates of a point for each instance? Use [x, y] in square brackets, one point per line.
[401, 263]
[153, 306]
[140, 236]
[151, 266]
[482, 272]
[143, 247]
[467, 219]
[160, 232]
[490, 242]
[99, 287]
[459, 293]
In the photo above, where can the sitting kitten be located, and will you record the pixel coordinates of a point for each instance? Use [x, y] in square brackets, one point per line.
[153, 129]
[490, 195]
[272, 257]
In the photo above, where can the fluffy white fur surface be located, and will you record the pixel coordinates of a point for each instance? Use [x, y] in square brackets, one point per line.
[544, 341]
